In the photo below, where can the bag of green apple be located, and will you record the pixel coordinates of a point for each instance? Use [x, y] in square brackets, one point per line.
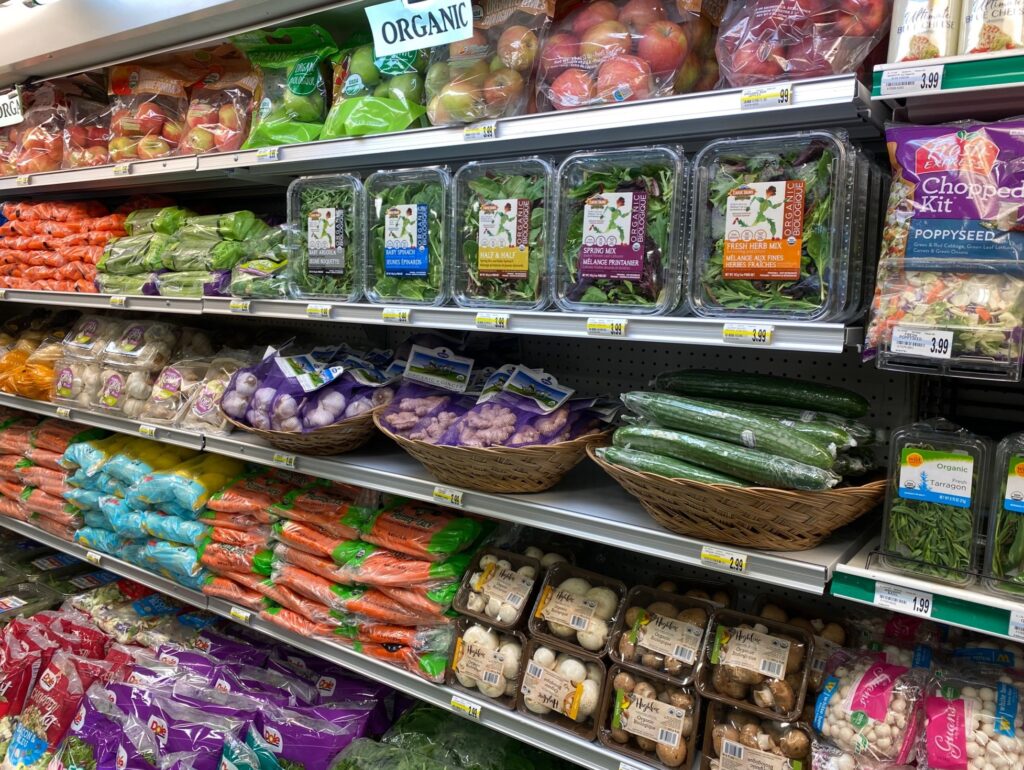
[293, 93]
[148, 104]
[490, 74]
[375, 95]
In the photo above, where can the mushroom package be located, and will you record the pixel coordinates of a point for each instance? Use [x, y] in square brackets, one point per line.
[741, 735]
[499, 587]
[488, 661]
[649, 718]
[577, 607]
[559, 683]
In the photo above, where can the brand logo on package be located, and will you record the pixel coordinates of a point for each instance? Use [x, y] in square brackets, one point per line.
[960, 151]
[399, 26]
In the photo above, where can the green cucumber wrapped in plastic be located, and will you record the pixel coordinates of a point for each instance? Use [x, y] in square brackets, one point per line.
[669, 467]
[859, 432]
[733, 425]
[748, 464]
[763, 389]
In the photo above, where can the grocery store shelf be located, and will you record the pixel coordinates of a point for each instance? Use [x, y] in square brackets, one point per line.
[974, 608]
[839, 101]
[101, 301]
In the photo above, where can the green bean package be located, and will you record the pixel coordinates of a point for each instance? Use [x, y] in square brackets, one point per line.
[1004, 559]
[502, 237]
[618, 227]
[407, 260]
[936, 501]
[328, 215]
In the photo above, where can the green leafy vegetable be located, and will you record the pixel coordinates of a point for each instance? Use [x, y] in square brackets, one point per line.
[332, 275]
[936, 539]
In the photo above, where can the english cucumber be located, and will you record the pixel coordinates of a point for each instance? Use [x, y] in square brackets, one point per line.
[669, 467]
[748, 464]
[763, 389]
[858, 431]
[730, 424]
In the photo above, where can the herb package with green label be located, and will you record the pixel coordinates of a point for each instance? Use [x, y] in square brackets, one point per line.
[407, 261]
[1004, 557]
[327, 215]
[620, 231]
[772, 227]
[935, 503]
[502, 234]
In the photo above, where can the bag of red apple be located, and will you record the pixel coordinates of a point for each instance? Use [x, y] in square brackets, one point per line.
[770, 40]
[489, 75]
[605, 52]
[219, 113]
[86, 133]
[148, 104]
[40, 147]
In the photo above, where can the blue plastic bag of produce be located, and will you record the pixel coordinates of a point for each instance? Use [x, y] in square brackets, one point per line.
[188, 485]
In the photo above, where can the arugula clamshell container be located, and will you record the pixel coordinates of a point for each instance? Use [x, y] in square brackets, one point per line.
[936, 501]
[502, 226]
[327, 241]
[408, 257]
[772, 227]
[621, 231]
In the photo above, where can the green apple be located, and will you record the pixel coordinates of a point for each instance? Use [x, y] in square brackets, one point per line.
[381, 91]
[437, 114]
[463, 101]
[474, 73]
[406, 88]
[437, 77]
[304, 108]
[497, 64]
[361, 63]
[422, 60]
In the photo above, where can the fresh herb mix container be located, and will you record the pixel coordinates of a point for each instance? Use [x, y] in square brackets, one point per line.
[936, 500]
[1004, 556]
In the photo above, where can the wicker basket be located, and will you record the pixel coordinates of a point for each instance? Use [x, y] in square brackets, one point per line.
[752, 517]
[501, 469]
[333, 440]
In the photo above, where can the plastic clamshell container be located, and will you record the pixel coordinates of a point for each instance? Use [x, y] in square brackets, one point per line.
[75, 381]
[488, 667]
[89, 337]
[860, 196]
[670, 632]
[765, 246]
[936, 501]
[404, 265]
[24, 550]
[818, 623]
[719, 594]
[728, 621]
[502, 234]
[683, 700]
[606, 256]
[468, 601]
[718, 713]
[142, 345]
[327, 237]
[11, 574]
[587, 620]
[54, 564]
[586, 726]
[123, 390]
[83, 580]
[23, 599]
[1004, 551]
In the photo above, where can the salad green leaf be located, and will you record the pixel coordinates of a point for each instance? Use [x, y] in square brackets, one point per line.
[310, 280]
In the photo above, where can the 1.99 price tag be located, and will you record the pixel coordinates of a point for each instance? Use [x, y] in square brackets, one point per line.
[905, 600]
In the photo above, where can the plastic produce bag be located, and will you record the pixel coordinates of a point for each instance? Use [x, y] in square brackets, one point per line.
[167, 220]
[149, 102]
[203, 409]
[179, 563]
[188, 485]
[286, 738]
[774, 40]
[232, 226]
[421, 531]
[252, 494]
[293, 64]
[91, 455]
[147, 344]
[220, 111]
[194, 283]
[86, 133]
[265, 277]
[143, 284]
[173, 388]
[175, 529]
[40, 146]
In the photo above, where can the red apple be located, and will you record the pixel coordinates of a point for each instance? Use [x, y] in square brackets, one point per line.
[151, 147]
[172, 131]
[663, 45]
[624, 79]
[592, 14]
[38, 138]
[74, 158]
[559, 53]
[605, 41]
[473, 47]
[503, 88]
[517, 48]
[151, 118]
[201, 114]
[227, 140]
[637, 14]
[230, 117]
[76, 136]
[123, 124]
[573, 88]
[123, 148]
[99, 136]
[437, 114]
[755, 62]
[862, 18]
[688, 74]
[197, 141]
[36, 162]
[95, 156]
[804, 60]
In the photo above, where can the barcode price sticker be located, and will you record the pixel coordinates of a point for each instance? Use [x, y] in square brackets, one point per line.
[719, 558]
[23, 180]
[266, 154]
[319, 311]
[242, 616]
[288, 461]
[396, 315]
[122, 169]
[1016, 628]
[929, 343]
[481, 132]
[118, 301]
[239, 306]
[764, 97]
[466, 707]
[905, 600]
[905, 81]
[492, 321]
[607, 327]
[748, 334]
[93, 557]
[448, 496]
[64, 412]
[147, 430]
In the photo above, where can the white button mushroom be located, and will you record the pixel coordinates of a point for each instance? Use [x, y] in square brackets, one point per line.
[607, 601]
[595, 636]
[549, 560]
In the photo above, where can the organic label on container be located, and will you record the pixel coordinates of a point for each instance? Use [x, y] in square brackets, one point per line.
[504, 585]
[543, 686]
[504, 236]
[1013, 497]
[764, 225]
[648, 718]
[751, 650]
[406, 240]
[325, 241]
[738, 757]
[614, 236]
[567, 608]
[936, 477]
[669, 637]
[478, 662]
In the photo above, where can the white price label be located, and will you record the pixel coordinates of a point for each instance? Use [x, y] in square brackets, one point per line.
[912, 80]
[11, 108]
[466, 707]
[237, 613]
[93, 558]
[448, 496]
[1016, 628]
[396, 315]
[147, 430]
[118, 301]
[265, 154]
[319, 311]
[481, 131]
[763, 97]
[929, 343]
[288, 461]
[607, 327]
[492, 320]
[748, 334]
[122, 169]
[239, 306]
[23, 180]
[904, 600]
[719, 558]
[64, 412]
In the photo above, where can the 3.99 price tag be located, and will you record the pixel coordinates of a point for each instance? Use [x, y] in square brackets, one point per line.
[905, 600]
[719, 558]
[929, 343]
[906, 81]
[478, 132]
[748, 334]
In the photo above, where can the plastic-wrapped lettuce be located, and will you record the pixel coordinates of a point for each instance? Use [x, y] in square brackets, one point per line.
[143, 283]
[196, 252]
[194, 283]
[166, 220]
[135, 254]
[233, 226]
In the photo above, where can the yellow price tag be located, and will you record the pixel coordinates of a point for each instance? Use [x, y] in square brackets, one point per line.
[478, 132]
[122, 169]
[763, 97]
[265, 154]
[607, 327]
[466, 707]
[118, 301]
[23, 180]
[319, 311]
[239, 306]
[396, 315]
[64, 412]
[242, 616]
[147, 430]
[719, 558]
[492, 321]
[448, 496]
[748, 334]
[93, 558]
[288, 461]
